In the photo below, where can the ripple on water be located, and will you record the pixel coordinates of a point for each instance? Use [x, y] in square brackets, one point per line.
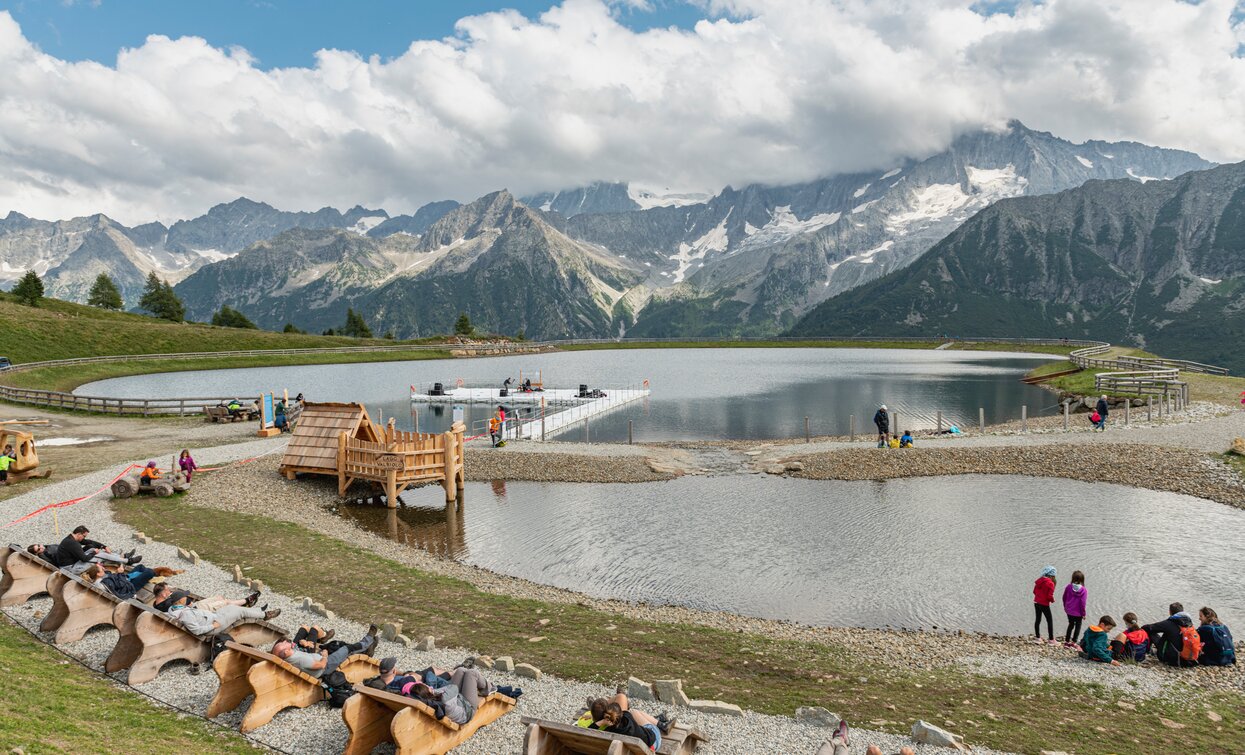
[953, 552]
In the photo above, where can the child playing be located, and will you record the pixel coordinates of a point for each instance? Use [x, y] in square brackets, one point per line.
[187, 463]
[1074, 599]
[1133, 643]
[906, 440]
[1097, 642]
[1043, 596]
[893, 442]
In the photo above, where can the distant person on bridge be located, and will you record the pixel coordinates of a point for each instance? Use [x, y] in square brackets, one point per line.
[883, 421]
[1103, 410]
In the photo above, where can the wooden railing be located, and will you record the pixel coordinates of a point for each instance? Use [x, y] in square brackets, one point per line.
[130, 407]
[1149, 363]
[1165, 382]
[401, 459]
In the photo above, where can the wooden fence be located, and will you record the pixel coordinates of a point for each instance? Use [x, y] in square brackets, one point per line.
[129, 407]
[402, 459]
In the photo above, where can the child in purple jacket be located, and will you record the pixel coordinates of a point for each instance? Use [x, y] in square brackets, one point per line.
[1074, 599]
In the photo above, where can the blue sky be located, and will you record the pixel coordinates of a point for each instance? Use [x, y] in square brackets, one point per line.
[280, 33]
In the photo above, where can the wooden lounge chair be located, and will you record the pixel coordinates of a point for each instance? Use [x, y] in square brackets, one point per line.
[374, 716]
[77, 606]
[276, 684]
[150, 639]
[25, 575]
[555, 738]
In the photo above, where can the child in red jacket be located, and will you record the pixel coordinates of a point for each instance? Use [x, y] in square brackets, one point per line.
[1043, 596]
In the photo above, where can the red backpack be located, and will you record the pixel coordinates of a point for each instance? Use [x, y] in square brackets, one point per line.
[1192, 644]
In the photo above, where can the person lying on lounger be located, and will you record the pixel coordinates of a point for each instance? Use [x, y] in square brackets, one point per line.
[125, 581]
[330, 655]
[77, 552]
[199, 621]
[165, 596]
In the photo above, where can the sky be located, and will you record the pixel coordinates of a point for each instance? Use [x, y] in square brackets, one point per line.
[149, 110]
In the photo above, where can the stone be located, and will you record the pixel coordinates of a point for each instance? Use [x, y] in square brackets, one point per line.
[183, 554]
[536, 639]
[1053, 752]
[1170, 723]
[390, 630]
[527, 670]
[1125, 705]
[139, 536]
[716, 706]
[794, 466]
[258, 585]
[817, 716]
[194, 558]
[670, 691]
[504, 663]
[1213, 716]
[924, 732]
[307, 602]
[484, 661]
[1238, 446]
[775, 469]
[318, 608]
[427, 643]
[638, 689]
[403, 640]
[237, 573]
[544, 622]
[329, 615]
[17, 751]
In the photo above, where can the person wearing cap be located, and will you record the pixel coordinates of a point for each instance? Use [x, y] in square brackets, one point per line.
[330, 656]
[883, 421]
[150, 472]
[200, 621]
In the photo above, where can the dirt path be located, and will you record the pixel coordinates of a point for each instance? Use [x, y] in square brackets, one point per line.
[120, 439]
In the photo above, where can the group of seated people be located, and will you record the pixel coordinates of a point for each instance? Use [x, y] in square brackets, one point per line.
[1175, 640]
[901, 441]
[615, 715]
[454, 694]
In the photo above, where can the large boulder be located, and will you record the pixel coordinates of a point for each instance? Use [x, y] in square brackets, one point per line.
[638, 689]
[817, 716]
[926, 733]
[670, 691]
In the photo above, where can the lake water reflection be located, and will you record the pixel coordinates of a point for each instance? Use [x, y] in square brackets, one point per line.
[953, 552]
[696, 393]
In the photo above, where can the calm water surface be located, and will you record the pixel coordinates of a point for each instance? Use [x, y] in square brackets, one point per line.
[951, 552]
[696, 393]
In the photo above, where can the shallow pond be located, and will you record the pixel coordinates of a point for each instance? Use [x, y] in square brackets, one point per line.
[953, 552]
[696, 393]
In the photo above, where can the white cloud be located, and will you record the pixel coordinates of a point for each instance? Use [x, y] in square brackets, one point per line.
[769, 91]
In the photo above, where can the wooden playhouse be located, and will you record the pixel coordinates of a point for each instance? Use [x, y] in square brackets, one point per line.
[343, 441]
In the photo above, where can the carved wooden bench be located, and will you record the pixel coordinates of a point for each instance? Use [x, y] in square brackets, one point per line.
[276, 684]
[150, 639]
[374, 716]
[555, 738]
[78, 606]
[25, 575]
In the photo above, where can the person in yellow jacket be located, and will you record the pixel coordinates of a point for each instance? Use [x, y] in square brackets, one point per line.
[5, 461]
[150, 472]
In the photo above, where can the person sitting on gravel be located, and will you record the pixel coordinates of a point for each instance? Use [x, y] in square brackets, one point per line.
[1133, 643]
[906, 440]
[164, 596]
[199, 621]
[331, 654]
[1096, 642]
[1168, 637]
[1217, 647]
[77, 552]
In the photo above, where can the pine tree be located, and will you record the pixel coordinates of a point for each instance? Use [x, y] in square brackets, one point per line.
[228, 317]
[104, 293]
[29, 290]
[356, 326]
[463, 327]
[158, 299]
[292, 328]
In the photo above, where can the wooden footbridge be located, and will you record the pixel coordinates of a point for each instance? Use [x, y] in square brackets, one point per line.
[341, 440]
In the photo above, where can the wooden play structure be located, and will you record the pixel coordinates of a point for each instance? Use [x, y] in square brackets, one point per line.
[25, 575]
[375, 716]
[163, 487]
[343, 441]
[555, 738]
[27, 462]
[276, 684]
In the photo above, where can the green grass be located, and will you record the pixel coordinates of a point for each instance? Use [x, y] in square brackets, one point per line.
[53, 705]
[1050, 368]
[63, 330]
[757, 672]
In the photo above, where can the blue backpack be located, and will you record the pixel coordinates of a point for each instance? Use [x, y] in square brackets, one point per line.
[1223, 641]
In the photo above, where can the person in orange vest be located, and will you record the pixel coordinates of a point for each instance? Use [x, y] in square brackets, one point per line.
[494, 430]
[150, 472]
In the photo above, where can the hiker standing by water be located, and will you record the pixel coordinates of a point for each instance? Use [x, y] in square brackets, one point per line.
[1043, 596]
[883, 421]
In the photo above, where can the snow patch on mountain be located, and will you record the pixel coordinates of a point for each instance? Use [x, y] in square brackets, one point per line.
[861, 191]
[365, 224]
[1142, 179]
[714, 241]
[935, 202]
[650, 198]
[1083, 161]
[891, 173]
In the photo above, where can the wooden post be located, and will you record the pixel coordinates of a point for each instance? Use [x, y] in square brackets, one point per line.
[341, 464]
[586, 440]
[630, 429]
[851, 427]
[940, 422]
[1149, 408]
[1128, 407]
[807, 433]
[896, 425]
[981, 418]
[1066, 411]
[542, 419]
[391, 488]
[1024, 418]
[451, 464]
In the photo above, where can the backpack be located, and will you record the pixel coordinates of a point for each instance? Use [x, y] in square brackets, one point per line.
[1223, 639]
[1138, 644]
[337, 688]
[1192, 644]
[1095, 417]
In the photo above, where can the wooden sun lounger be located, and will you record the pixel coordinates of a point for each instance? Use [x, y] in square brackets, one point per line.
[25, 575]
[276, 684]
[374, 717]
[555, 738]
[150, 639]
[77, 606]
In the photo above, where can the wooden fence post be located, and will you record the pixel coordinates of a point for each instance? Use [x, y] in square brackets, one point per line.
[1128, 406]
[807, 433]
[981, 418]
[1024, 418]
[940, 422]
[851, 428]
[451, 465]
[1067, 410]
[630, 428]
[1149, 408]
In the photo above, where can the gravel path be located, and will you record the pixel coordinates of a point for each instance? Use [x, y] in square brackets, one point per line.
[319, 728]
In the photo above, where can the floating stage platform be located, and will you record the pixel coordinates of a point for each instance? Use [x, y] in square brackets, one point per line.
[563, 407]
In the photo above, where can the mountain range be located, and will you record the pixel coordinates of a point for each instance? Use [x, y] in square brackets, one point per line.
[608, 259]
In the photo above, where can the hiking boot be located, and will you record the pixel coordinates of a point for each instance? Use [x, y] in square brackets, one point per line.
[468, 662]
[841, 733]
[131, 560]
[327, 635]
[130, 553]
[264, 607]
[251, 600]
[270, 615]
[664, 725]
[373, 630]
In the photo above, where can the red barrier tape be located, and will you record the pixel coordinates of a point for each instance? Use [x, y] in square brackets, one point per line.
[71, 501]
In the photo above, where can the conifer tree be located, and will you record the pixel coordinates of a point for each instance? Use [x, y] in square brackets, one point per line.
[104, 293]
[29, 290]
